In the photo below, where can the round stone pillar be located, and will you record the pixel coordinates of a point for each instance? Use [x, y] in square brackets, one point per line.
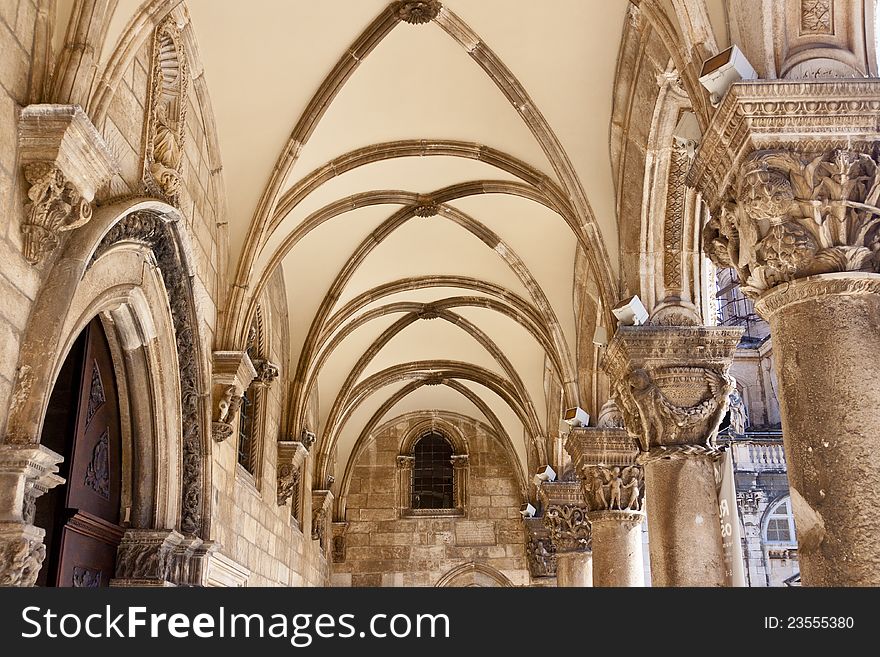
[617, 548]
[670, 380]
[565, 518]
[613, 488]
[683, 522]
[574, 568]
[826, 337]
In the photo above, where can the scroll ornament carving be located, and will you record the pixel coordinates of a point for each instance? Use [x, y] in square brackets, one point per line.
[419, 12]
[673, 405]
[568, 526]
[613, 488]
[541, 555]
[21, 560]
[796, 215]
[54, 206]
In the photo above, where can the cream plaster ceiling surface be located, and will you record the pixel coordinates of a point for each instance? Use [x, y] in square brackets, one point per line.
[263, 62]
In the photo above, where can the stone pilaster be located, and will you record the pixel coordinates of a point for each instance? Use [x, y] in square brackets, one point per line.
[672, 386]
[790, 171]
[26, 472]
[540, 550]
[613, 487]
[65, 161]
[565, 518]
[233, 372]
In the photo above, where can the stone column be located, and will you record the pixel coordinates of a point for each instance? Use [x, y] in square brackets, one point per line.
[565, 518]
[613, 487]
[26, 472]
[671, 382]
[790, 172]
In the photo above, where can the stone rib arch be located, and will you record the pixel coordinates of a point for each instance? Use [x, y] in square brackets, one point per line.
[327, 344]
[498, 74]
[489, 238]
[435, 372]
[371, 427]
[396, 328]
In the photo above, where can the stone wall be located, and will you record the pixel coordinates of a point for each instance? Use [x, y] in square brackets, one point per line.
[19, 281]
[382, 549]
[273, 542]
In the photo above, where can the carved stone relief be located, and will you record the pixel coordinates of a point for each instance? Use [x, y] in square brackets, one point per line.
[166, 120]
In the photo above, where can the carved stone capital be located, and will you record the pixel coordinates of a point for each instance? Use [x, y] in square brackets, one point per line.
[65, 161]
[21, 553]
[671, 383]
[291, 456]
[790, 171]
[605, 462]
[405, 462]
[417, 12]
[322, 502]
[26, 472]
[565, 515]
[540, 550]
[233, 372]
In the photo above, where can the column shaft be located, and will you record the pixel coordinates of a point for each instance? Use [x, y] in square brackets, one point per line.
[617, 549]
[825, 348]
[683, 527]
[574, 569]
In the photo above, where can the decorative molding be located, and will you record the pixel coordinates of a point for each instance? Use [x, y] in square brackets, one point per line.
[166, 118]
[34, 467]
[815, 287]
[291, 457]
[540, 550]
[671, 383]
[418, 12]
[147, 555]
[817, 16]
[795, 215]
[673, 224]
[65, 161]
[153, 229]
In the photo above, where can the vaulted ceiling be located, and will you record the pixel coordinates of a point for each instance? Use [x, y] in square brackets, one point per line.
[424, 187]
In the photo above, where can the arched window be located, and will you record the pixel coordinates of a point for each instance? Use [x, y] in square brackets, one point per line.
[433, 476]
[779, 523]
[432, 473]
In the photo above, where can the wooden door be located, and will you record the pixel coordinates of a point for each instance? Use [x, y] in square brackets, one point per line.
[86, 528]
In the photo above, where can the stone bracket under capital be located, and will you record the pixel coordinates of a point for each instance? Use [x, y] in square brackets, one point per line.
[233, 372]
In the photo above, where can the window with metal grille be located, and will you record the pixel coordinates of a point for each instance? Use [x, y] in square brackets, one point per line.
[432, 479]
[780, 524]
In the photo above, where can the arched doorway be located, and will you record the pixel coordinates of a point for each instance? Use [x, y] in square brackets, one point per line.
[81, 517]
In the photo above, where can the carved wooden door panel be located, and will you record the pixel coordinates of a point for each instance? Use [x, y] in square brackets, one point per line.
[91, 534]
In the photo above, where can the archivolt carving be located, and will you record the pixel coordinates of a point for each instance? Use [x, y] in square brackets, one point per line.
[166, 121]
[151, 229]
[799, 214]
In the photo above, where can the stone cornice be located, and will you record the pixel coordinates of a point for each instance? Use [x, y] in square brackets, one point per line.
[809, 116]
